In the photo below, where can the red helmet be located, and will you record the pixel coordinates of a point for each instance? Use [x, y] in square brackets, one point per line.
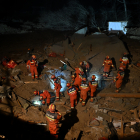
[33, 57]
[73, 76]
[35, 92]
[53, 76]
[81, 63]
[84, 79]
[52, 108]
[93, 77]
[107, 57]
[68, 84]
[40, 98]
[43, 102]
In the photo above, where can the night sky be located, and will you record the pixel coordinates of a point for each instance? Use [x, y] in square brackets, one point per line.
[102, 10]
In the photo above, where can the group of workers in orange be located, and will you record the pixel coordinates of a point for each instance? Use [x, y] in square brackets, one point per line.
[79, 83]
[124, 61]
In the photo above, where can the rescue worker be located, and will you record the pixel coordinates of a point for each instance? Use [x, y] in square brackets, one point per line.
[78, 79]
[33, 67]
[84, 87]
[107, 66]
[124, 61]
[85, 66]
[73, 79]
[57, 86]
[72, 92]
[53, 117]
[119, 79]
[44, 95]
[93, 87]
[78, 70]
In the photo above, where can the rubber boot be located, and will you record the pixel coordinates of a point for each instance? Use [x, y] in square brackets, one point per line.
[83, 103]
[117, 90]
[81, 100]
[91, 99]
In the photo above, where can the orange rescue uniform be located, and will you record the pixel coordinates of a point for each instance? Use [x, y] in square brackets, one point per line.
[107, 66]
[57, 87]
[84, 87]
[78, 80]
[78, 70]
[46, 95]
[53, 120]
[93, 86]
[124, 61]
[33, 67]
[119, 80]
[72, 92]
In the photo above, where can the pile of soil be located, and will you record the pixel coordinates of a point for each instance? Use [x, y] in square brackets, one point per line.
[74, 126]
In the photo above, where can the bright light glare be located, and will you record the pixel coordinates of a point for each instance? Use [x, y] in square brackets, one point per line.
[35, 101]
[63, 84]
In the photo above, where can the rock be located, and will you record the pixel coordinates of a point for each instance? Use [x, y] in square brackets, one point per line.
[103, 115]
[94, 122]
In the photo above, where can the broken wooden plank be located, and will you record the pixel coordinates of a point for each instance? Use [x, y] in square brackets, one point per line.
[119, 95]
[136, 115]
[135, 67]
[27, 82]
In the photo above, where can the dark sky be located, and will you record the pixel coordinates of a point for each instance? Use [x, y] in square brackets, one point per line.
[32, 9]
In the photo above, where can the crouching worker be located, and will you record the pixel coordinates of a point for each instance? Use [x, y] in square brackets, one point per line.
[44, 96]
[84, 87]
[93, 86]
[53, 117]
[72, 92]
[119, 79]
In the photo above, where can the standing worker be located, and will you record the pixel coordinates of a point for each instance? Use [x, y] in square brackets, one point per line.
[73, 79]
[78, 70]
[84, 87]
[44, 95]
[53, 118]
[85, 66]
[124, 61]
[72, 92]
[107, 66]
[33, 67]
[119, 79]
[78, 79]
[93, 86]
[57, 86]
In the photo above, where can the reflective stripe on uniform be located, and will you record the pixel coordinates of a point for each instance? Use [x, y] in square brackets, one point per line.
[72, 107]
